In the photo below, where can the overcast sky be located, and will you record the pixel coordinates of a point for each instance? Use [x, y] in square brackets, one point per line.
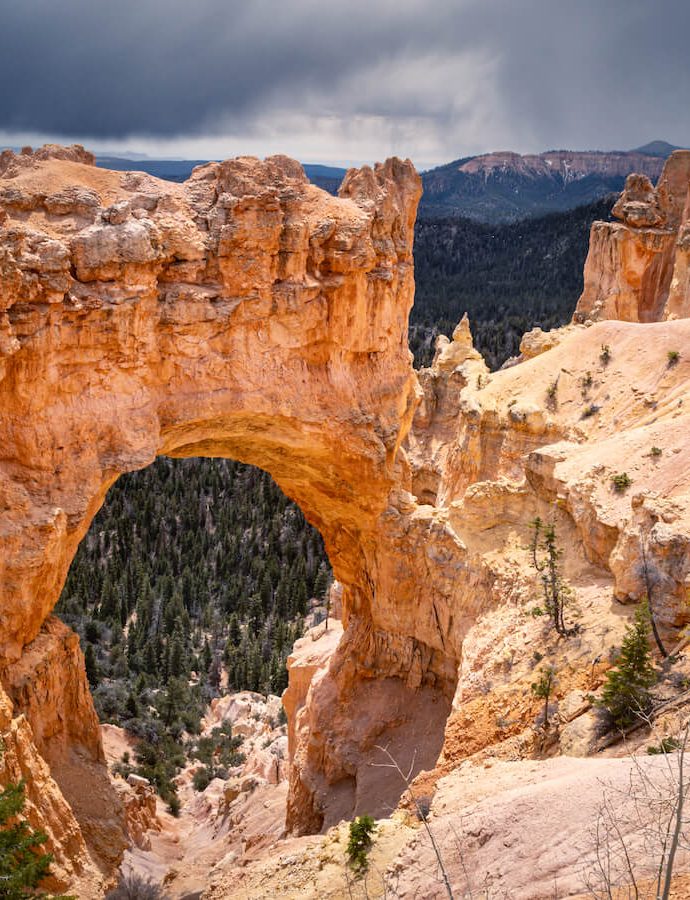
[344, 82]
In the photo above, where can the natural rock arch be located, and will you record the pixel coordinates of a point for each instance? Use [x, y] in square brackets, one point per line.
[243, 314]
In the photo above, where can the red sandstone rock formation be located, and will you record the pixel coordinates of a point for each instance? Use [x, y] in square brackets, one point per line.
[245, 313]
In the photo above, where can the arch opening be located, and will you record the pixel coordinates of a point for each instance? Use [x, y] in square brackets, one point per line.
[193, 582]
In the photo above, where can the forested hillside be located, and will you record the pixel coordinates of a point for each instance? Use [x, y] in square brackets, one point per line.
[504, 186]
[508, 278]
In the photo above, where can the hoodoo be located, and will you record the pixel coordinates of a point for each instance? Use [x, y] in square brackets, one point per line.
[637, 269]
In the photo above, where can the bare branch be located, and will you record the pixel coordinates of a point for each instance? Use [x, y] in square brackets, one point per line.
[421, 814]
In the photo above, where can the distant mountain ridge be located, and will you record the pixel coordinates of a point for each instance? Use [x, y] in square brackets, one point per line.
[505, 186]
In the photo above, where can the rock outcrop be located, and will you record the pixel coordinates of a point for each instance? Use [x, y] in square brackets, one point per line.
[487, 453]
[48, 686]
[506, 828]
[233, 822]
[46, 808]
[637, 269]
[139, 802]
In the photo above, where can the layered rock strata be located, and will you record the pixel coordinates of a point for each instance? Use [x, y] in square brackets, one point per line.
[487, 453]
[567, 165]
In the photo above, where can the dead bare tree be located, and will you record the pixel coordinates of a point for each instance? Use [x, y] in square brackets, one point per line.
[636, 850]
[422, 815]
[650, 584]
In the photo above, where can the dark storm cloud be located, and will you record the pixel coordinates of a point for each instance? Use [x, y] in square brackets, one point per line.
[158, 67]
[528, 73]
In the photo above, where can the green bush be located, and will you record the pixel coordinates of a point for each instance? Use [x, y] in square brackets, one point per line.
[621, 482]
[221, 747]
[159, 763]
[665, 745]
[360, 841]
[219, 752]
[134, 887]
[202, 778]
[586, 383]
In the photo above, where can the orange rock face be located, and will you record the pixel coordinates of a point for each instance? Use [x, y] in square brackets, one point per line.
[48, 686]
[637, 269]
[46, 808]
[245, 313]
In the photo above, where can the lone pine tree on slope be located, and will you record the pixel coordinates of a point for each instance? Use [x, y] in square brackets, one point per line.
[626, 691]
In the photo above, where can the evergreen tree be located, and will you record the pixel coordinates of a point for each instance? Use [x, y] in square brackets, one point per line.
[174, 700]
[299, 599]
[206, 657]
[22, 865]
[110, 604]
[132, 706]
[556, 591]
[322, 583]
[543, 688]
[176, 665]
[150, 662]
[91, 665]
[626, 692]
[234, 631]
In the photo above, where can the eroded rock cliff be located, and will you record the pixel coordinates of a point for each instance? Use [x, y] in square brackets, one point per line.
[487, 453]
[637, 268]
